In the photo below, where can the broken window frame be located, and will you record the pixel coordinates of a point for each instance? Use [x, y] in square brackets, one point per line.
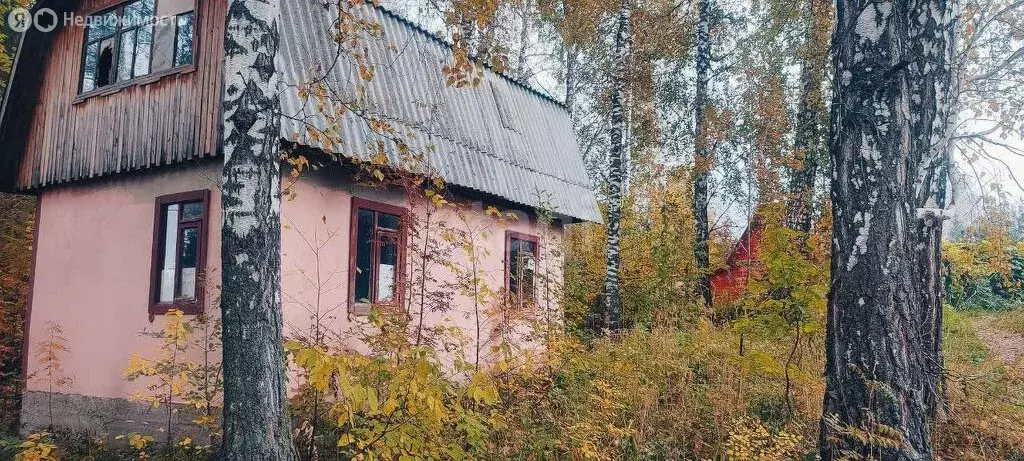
[116, 35]
[193, 305]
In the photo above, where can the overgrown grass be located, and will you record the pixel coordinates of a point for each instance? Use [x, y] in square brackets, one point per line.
[986, 397]
[1011, 320]
[673, 394]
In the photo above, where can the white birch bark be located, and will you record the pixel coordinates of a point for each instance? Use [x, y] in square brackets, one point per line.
[702, 156]
[888, 111]
[612, 296]
[256, 424]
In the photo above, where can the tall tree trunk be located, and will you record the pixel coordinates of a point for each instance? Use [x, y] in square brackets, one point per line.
[878, 368]
[612, 300]
[702, 155]
[808, 146]
[932, 112]
[256, 425]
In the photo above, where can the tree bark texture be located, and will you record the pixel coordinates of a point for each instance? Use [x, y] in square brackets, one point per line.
[878, 367]
[612, 296]
[702, 156]
[256, 424]
[932, 113]
[809, 147]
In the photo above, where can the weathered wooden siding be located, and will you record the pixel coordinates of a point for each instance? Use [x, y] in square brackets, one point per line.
[155, 122]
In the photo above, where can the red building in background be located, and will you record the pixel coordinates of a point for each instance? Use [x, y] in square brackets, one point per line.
[729, 282]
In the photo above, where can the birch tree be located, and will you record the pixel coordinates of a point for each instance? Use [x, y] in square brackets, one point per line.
[808, 142]
[256, 425]
[888, 115]
[612, 299]
[702, 154]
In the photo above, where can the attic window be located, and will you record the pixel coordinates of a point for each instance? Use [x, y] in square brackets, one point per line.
[135, 39]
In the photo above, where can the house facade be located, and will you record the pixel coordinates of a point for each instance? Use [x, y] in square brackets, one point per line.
[114, 123]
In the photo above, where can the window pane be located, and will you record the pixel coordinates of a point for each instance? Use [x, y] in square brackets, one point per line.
[528, 264]
[102, 25]
[192, 210]
[143, 45]
[528, 247]
[137, 13]
[169, 269]
[183, 47]
[89, 72]
[163, 45]
[387, 268]
[387, 221]
[364, 255]
[124, 65]
[105, 71]
[189, 252]
[513, 265]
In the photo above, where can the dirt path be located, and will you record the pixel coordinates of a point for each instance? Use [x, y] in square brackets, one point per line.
[1005, 345]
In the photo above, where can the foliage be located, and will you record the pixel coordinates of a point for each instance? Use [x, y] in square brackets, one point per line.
[50, 354]
[61, 445]
[37, 447]
[173, 377]
[396, 403]
[16, 224]
[985, 268]
[750, 439]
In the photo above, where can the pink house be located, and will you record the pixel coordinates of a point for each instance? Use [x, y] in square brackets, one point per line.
[113, 123]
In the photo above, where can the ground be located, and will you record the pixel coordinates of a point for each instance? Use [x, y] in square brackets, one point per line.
[1007, 345]
[1001, 334]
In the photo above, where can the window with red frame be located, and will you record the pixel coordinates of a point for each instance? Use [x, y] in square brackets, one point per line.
[520, 265]
[377, 252]
[179, 252]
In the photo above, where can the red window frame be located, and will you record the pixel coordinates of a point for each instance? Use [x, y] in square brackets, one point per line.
[401, 239]
[509, 235]
[194, 306]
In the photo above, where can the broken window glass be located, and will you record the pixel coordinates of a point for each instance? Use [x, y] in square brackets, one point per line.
[131, 41]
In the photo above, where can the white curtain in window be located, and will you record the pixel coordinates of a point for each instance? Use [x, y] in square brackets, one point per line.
[170, 255]
[385, 282]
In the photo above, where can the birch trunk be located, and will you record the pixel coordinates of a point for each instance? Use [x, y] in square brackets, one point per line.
[932, 44]
[256, 425]
[612, 299]
[702, 156]
[807, 143]
[879, 340]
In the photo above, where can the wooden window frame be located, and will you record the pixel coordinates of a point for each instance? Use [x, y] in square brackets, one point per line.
[361, 308]
[194, 307]
[509, 235]
[117, 86]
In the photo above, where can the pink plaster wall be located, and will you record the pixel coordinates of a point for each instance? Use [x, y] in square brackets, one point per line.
[93, 264]
[316, 228]
[93, 268]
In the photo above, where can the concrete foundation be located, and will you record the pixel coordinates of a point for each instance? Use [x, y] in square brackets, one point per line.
[97, 416]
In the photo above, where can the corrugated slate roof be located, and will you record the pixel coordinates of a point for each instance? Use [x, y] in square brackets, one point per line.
[499, 137]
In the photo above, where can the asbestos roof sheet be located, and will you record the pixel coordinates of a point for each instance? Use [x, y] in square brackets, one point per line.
[498, 137]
